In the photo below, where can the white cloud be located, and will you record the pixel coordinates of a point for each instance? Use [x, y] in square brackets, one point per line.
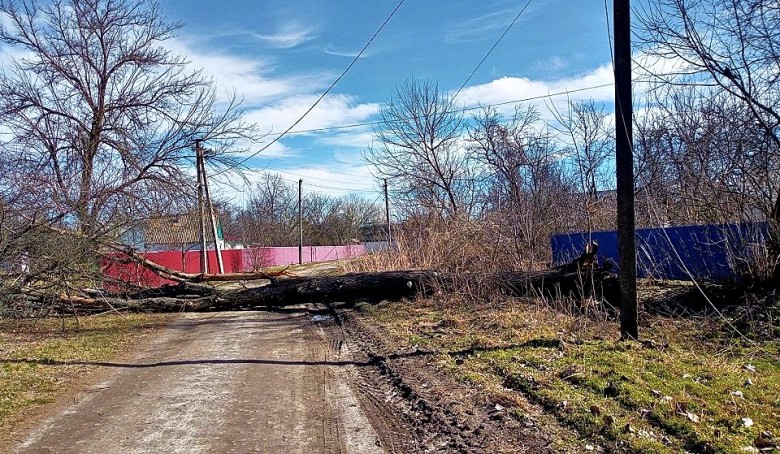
[478, 28]
[338, 179]
[333, 110]
[335, 180]
[551, 64]
[595, 85]
[357, 138]
[330, 50]
[251, 79]
[276, 150]
[507, 89]
[288, 36]
[9, 54]
[647, 66]
[351, 157]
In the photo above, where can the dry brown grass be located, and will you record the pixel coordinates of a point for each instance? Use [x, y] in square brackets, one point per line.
[453, 246]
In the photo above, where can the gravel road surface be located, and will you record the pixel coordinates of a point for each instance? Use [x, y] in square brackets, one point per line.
[221, 383]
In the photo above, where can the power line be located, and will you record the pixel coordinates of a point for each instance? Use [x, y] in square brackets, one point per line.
[343, 73]
[334, 188]
[498, 41]
[301, 175]
[460, 110]
[356, 125]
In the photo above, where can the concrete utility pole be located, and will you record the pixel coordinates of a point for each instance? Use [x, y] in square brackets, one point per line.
[624, 163]
[300, 221]
[212, 218]
[387, 214]
[204, 263]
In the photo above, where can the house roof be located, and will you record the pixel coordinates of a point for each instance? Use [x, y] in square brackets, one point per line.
[177, 229]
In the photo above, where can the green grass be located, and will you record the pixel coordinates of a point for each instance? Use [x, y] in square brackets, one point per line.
[26, 380]
[673, 395]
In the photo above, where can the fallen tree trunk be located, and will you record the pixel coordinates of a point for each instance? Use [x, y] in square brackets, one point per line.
[395, 285]
[352, 288]
[578, 279]
[349, 288]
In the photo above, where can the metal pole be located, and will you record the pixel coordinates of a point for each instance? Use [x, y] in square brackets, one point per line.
[387, 214]
[204, 264]
[624, 164]
[212, 218]
[300, 221]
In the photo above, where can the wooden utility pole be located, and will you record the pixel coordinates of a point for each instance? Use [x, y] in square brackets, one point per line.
[212, 218]
[387, 214]
[624, 164]
[204, 263]
[300, 221]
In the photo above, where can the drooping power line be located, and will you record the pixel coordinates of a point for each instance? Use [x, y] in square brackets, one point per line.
[325, 93]
[498, 41]
[460, 110]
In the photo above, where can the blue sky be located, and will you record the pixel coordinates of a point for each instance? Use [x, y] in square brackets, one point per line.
[279, 56]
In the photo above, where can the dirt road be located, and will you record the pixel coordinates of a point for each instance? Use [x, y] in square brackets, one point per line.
[223, 382]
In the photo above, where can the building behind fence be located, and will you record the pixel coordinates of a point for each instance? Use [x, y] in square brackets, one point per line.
[711, 252]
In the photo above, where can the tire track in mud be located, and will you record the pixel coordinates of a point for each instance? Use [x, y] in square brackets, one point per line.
[430, 428]
[330, 430]
[375, 398]
[441, 416]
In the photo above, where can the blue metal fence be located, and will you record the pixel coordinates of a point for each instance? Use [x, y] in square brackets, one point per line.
[712, 252]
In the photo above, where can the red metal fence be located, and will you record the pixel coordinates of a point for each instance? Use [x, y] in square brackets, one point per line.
[235, 261]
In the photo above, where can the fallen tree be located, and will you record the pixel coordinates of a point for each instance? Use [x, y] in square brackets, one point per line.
[582, 278]
[577, 280]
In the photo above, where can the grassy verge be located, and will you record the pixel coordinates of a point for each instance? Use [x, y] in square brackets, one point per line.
[26, 346]
[686, 387]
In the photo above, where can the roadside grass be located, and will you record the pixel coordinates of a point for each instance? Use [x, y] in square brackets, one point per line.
[34, 354]
[686, 387]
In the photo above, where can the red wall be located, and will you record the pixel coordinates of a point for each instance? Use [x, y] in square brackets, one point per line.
[235, 260]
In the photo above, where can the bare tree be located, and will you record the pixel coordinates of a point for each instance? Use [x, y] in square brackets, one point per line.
[733, 46]
[520, 161]
[271, 216]
[344, 219]
[697, 161]
[101, 117]
[590, 141]
[417, 149]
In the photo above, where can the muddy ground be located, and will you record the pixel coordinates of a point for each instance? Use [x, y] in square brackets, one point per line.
[444, 415]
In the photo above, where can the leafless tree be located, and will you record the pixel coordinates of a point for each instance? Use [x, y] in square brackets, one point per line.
[270, 218]
[697, 161]
[344, 219]
[418, 150]
[271, 215]
[524, 169]
[100, 117]
[590, 142]
[733, 46]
